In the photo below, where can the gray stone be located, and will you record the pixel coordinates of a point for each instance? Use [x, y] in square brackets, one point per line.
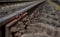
[35, 35]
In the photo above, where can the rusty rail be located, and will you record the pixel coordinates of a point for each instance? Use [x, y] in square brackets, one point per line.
[18, 15]
[12, 16]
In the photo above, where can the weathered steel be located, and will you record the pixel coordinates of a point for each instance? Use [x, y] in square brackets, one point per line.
[23, 9]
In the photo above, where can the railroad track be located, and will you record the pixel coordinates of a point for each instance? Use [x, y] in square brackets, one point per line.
[16, 9]
[31, 20]
[19, 12]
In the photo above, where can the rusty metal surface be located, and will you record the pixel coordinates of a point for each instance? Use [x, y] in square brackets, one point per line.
[33, 23]
[23, 9]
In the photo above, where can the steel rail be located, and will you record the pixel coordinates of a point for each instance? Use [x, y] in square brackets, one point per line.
[23, 9]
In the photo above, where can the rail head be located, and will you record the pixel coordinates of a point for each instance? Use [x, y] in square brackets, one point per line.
[25, 8]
